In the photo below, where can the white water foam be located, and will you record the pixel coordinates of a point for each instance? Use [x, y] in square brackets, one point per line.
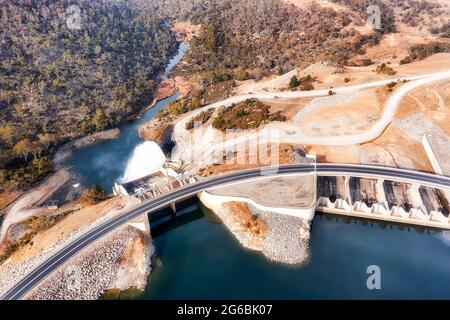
[147, 158]
[444, 236]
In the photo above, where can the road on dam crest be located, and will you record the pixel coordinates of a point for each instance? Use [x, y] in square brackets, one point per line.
[43, 270]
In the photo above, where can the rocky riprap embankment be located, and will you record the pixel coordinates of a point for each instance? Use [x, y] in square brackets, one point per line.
[12, 272]
[90, 273]
[284, 239]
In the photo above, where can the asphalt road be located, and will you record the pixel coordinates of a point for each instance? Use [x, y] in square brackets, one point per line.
[59, 258]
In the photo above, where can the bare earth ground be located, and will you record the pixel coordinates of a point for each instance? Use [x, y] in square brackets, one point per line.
[296, 192]
[8, 197]
[286, 155]
[288, 107]
[407, 153]
[347, 114]
[336, 154]
[20, 210]
[38, 194]
[76, 221]
[433, 101]
[339, 117]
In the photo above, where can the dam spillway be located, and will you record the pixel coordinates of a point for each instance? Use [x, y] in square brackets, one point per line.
[383, 200]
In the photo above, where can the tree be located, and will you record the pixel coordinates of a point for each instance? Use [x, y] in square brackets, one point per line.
[211, 38]
[7, 134]
[93, 195]
[294, 83]
[23, 148]
[280, 71]
[46, 139]
[99, 120]
[36, 149]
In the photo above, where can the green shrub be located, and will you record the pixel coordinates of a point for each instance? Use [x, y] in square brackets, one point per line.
[294, 83]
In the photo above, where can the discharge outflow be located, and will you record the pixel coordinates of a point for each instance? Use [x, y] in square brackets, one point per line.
[147, 158]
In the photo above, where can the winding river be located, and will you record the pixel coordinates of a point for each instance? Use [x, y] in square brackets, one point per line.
[202, 260]
[105, 162]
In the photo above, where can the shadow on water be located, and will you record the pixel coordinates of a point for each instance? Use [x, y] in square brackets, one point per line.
[381, 224]
[166, 219]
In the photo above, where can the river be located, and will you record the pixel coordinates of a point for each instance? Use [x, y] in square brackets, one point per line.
[202, 260]
[104, 162]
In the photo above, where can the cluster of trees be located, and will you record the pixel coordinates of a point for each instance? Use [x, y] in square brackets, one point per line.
[414, 13]
[387, 18]
[444, 30]
[420, 13]
[421, 51]
[250, 39]
[249, 114]
[22, 162]
[302, 84]
[181, 106]
[201, 118]
[65, 82]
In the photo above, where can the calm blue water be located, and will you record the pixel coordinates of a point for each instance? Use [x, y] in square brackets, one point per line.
[105, 162]
[202, 260]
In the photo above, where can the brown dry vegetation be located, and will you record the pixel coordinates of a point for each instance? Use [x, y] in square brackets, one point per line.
[242, 215]
[422, 51]
[249, 114]
[201, 118]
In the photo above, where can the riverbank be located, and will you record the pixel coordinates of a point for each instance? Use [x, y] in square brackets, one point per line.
[65, 151]
[31, 203]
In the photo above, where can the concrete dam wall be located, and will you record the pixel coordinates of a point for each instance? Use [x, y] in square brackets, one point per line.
[383, 200]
